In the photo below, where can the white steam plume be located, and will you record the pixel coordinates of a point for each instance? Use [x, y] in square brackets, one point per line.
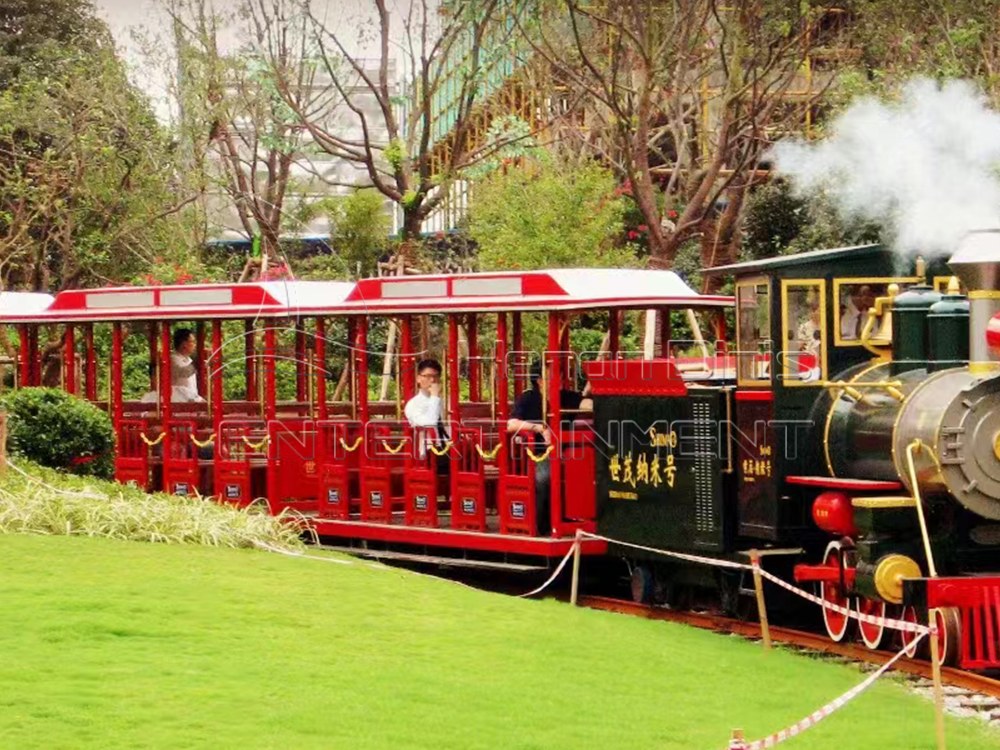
[925, 167]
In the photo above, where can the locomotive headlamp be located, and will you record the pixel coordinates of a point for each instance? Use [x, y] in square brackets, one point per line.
[993, 334]
[833, 512]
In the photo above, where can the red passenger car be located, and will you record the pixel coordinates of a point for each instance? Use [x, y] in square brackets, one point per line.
[352, 464]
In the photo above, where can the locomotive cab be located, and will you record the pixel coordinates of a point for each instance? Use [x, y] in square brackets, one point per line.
[799, 325]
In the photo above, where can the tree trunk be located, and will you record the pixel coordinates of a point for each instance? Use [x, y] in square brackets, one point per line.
[720, 240]
[412, 219]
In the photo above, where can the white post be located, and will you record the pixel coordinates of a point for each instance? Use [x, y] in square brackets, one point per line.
[575, 586]
[938, 690]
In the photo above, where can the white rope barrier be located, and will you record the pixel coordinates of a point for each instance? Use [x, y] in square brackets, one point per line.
[555, 573]
[290, 553]
[888, 622]
[893, 624]
[715, 561]
[817, 716]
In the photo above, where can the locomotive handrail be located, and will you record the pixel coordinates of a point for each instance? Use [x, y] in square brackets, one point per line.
[918, 444]
[892, 387]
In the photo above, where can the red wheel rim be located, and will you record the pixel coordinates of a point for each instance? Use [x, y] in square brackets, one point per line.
[907, 638]
[835, 622]
[943, 635]
[871, 633]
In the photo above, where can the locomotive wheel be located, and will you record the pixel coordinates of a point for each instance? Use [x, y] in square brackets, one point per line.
[871, 633]
[641, 582]
[907, 640]
[836, 623]
[949, 634]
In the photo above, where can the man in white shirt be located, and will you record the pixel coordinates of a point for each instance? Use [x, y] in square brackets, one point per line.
[853, 319]
[183, 373]
[424, 409]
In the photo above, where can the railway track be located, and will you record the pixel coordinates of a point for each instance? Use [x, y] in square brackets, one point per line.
[966, 693]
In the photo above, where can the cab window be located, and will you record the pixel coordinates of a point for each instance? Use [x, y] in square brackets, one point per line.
[753, 332]
[803, 350]
[853, 298]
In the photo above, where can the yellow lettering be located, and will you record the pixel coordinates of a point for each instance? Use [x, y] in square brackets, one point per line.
[628, 477]
[642, 470]
[671, 470]
[616, 469]
[654, 472]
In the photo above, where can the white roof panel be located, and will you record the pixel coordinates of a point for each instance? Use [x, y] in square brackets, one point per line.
[24, 304]
[560, 289]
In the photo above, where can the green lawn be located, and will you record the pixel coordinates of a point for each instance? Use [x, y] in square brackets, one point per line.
[125, 644]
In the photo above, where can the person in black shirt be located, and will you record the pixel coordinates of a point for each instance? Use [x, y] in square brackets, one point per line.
[526, 417]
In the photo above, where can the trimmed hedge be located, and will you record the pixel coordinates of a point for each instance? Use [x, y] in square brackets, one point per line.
[55, 429]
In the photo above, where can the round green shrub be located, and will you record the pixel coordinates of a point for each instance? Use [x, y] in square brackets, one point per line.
[61, 431]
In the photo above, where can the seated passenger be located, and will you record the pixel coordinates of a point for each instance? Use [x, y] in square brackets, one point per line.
[183, 372]
[425, 410]
[526, 416]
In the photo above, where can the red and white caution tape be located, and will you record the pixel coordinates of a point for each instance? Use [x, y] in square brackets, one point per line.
[817, 716]
[290, 553]
[555, 573]
[667, 553]
[715, 561]
[888, 622]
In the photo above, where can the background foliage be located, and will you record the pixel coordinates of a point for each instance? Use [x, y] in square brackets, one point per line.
[549, 214]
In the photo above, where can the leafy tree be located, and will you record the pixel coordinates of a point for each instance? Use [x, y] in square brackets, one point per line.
[360, 228]
[422, 136]
[780, 223]
[938, 38]
[551, 216]
[240, 137]
[87, 190]
[36, 37]
[679, 97]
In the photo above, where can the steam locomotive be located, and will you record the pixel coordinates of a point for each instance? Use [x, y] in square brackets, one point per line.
[861, 440]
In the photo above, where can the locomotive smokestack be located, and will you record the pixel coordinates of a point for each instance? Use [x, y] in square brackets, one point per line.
[977, 265]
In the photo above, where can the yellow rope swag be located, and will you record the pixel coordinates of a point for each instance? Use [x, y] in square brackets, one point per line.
[257, 447]
[392, 450]
[202, 443]
[488, 455]
[441, 451]
[351, 448]
[539, 459]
